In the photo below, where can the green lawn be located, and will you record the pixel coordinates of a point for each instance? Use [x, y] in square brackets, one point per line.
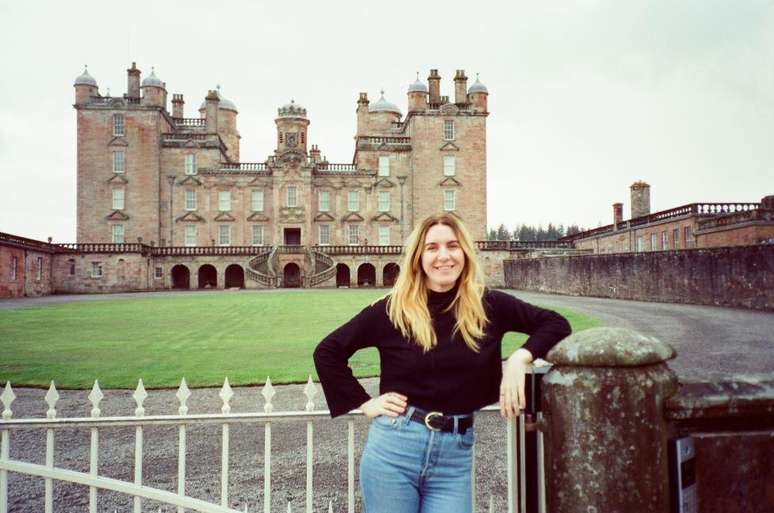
[202, 337]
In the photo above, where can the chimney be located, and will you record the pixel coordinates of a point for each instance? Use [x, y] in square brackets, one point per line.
[177, 106]
[133, 82]
[640, 192]
[212, 101]
[460, 88]
[434, 82]
[362, 114]
[314, 154]
[617, 215]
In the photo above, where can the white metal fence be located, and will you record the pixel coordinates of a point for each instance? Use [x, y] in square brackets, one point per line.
[516, 432]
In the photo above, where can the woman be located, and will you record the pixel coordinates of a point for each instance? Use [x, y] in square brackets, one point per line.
[439, 336]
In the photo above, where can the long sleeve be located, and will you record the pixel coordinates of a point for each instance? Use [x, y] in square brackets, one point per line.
[544, 327]
[342, 390]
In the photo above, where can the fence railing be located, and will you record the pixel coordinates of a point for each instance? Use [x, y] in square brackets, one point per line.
[329, 167]
[189, 122]
[508, 245]
[360, 250]
[515, 448]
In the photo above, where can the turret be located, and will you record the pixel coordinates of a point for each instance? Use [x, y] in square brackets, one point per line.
[227, 126]
[640, 192]
[382, 114]
[362, 114]
[291, 127]
[460, 88]
[153, 91]
[417, 96]
[178, 106]
[478, 95]
[85, 87]
[211, 111]
[435, 86]
[133, 82]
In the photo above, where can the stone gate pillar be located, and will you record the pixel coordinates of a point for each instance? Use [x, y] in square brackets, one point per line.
[606, 435]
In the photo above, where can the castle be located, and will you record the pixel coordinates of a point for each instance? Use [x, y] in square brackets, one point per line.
[165, 180]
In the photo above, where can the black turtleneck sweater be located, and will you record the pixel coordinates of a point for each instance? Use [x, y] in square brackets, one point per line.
[450, 378]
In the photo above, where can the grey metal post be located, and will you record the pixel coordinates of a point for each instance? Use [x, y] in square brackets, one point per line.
[606, 435]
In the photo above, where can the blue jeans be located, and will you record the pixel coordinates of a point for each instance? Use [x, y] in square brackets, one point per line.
[407, 468]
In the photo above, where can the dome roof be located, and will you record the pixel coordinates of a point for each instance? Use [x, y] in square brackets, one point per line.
[224, 104]
[152, 80]
[85, 79]
[292, 110]
[418, 86]
[383, 105]
[478, 87]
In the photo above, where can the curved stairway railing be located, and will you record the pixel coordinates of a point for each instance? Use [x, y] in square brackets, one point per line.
[254, 268]
[322, 261]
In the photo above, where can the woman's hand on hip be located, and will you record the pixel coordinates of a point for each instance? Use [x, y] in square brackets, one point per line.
[512, 395]
[391, 404]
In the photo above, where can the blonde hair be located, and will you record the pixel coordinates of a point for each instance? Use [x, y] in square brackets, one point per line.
[407, 303]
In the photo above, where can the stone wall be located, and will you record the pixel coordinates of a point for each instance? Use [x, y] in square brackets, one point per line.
[32, 276]
[120, 272]
[736, 277]
[11, 282]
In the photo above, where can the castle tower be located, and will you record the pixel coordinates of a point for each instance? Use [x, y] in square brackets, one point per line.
[460, 88]
[153, 91]
[478, 95]
[226, 124]
[85, 87]
[133, 82]
[292, 127]
[640, 193]
[435, 86]
[417, 96]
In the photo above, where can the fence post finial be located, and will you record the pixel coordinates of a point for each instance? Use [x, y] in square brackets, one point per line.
[52, 396]
[182, 395]
[268, 393]
[95, 396]
[139, 397]
[7, 398]
[225, 395]
[310, 391]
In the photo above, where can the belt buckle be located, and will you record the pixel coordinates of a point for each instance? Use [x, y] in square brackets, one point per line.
[429, 417]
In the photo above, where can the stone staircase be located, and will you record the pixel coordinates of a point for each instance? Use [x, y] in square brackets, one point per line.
[261, 268]
[323, 265]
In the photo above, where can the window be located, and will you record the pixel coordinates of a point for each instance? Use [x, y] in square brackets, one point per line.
[190, 235]
[303, 138]
[72, 266]
[224, 201]
[118, 161]
[384, 166]
[39, 265]
[353, 201]
[118, 124]
[190, 200]
[292, 196]
[675, 238]
[256, 202]
[224, 235]
[384, 201]
[324, 201]
[159, 272]
[96, 269]
[449, 200]
[653, 242]
[687, 235]
[325, 234]
[448, 130]
[117, 233]
[448, 165]
[384, 235]
[640, 244]
[257, 235]
[14, 267]
[118, 199]
[664, 240]
[190, 164]
[354, 233]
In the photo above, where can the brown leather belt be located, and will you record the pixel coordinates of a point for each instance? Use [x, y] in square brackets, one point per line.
[437, 421]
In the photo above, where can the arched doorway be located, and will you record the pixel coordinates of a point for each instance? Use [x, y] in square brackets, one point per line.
[208, 277]
[291, 276]
[342, 275]
[366, 275]
[235, 276]
[181, 277]
[390, 274]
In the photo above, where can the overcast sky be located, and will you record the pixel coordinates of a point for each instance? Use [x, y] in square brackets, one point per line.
[586, 96]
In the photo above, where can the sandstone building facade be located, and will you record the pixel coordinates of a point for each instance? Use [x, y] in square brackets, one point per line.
[162, 179]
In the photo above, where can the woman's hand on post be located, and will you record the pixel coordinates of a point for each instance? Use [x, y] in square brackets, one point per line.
[391, 404]
[512, 395]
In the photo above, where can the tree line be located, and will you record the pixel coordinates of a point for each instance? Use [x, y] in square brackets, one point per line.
[525, 232]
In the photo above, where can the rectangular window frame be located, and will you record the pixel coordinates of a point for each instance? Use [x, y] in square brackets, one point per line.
[39, 268]
[448, 129]
[190, 200]
[384, 201]
[257, 235]
[119, 162]
[653, 242]
[224, 201]
[324, 201]
[96, 270]
[384, 166]
[190, 164]
[118, 199]
[665, 240]
[117, 234]
[353, 201]
[119, 125]
[256, 201]
[190, 235]
[224, 235]
[292, 196]
[449, 165]
[353, 234]
[384, 235]
[14, 268]
[158, 272]
[449, 200]
[324, 235]
[640, 244]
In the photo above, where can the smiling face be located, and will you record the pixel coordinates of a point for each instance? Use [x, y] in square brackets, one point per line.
[442, 258]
